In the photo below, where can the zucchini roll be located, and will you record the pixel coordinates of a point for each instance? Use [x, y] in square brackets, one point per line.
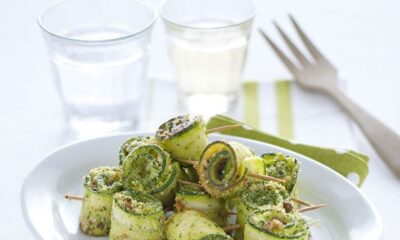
[131, 143]
[136, 217]
[276, 224]
[148, 169]
[259, 196]
[144, 167]
[193, 225]
[192, 197]
[282, 166]
[99, 186]
[219, 171]
[183, 136]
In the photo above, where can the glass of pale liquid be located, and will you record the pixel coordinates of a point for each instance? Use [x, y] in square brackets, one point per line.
[207, 42]
[99, 51]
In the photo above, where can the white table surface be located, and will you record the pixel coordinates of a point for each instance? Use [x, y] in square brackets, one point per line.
[361, 37]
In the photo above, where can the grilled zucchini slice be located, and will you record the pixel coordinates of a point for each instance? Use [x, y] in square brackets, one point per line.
[192, 225]
[131, 144]
[219, 170]
[99, 186]
[136, 216]
[192, 197]
[276, 224]
[259, 196]
[184, 137]
[282, 166]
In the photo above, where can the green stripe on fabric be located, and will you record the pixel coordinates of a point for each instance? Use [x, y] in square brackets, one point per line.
[284, 108]
[250, 104]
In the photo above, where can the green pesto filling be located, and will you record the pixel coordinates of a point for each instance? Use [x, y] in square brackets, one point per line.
[176, 126]
[131, 144]
[137, 204]
[281, 166]
[263, 194]
[143, 167]
[103, 180]
[279, 223]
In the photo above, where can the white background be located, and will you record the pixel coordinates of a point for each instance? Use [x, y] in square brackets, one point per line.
[362, 38]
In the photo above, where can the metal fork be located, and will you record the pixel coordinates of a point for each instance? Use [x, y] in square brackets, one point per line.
[318, 74]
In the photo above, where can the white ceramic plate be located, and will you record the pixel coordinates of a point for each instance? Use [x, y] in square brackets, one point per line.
[348, 216]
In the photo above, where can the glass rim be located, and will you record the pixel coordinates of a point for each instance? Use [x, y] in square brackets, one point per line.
[169, 21]
[116, 39]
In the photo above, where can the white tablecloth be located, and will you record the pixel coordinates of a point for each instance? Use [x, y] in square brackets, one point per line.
[361, 37]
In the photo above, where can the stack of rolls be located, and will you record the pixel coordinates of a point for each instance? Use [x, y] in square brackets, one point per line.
[176, 185]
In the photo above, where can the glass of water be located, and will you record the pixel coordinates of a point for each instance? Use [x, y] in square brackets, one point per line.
[99, 51]
[208, 46]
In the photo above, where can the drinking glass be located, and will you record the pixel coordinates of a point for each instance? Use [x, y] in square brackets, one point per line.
[99, 51]
[207, 42]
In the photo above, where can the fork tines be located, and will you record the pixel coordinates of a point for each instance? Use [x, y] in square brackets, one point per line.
[315, 53]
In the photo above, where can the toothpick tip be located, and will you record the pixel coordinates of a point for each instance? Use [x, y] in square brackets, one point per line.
[312, 207]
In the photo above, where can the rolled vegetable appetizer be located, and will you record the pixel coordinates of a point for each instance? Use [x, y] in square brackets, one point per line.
[282, 166]
[148, 169]
[131, 143]
[218, 170]
[276, 224]
[144, 167]
[136, 217]
[192, 197]
[193, 225]
[259, 196]
[99, 186]
[184, 137]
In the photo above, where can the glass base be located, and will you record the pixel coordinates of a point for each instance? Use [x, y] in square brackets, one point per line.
[95, 127]
[208, 105]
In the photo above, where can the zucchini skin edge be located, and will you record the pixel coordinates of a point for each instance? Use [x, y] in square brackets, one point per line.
[253, 232]
[188, 143]
[95, 216]
[125, 225]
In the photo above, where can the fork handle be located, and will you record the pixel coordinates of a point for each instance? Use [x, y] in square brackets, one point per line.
[385, 141]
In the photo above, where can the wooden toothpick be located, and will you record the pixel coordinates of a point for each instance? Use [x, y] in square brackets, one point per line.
[266, 177]
[71, 197]
[222, 128]
[301, 201]
[231, 227]
[312, 207]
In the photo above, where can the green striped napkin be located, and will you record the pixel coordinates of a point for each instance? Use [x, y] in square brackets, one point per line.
[345, 163]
